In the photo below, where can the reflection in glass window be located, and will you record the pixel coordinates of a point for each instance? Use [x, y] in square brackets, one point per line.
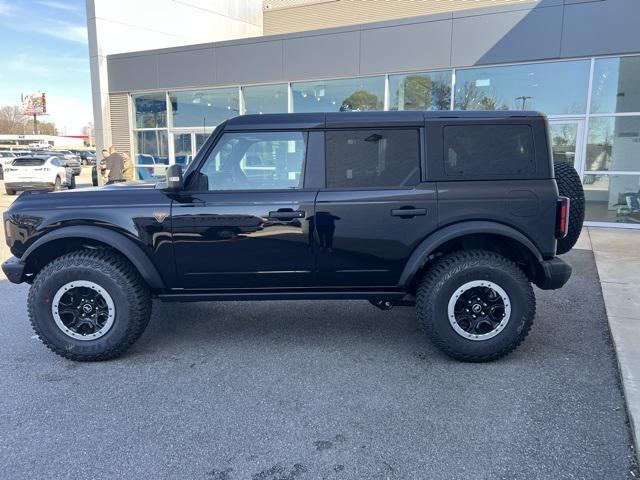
[564, 141]
[205, 108]
[346, 95]
[151, 150]
[612, 198]
[616, 85]
[150, 110]
[488, 150]
[613, 144]
[265, 99]
[372, 158]
[254, 161]
[201, 138]
[182, 148]
[553, 88]
[420, 91]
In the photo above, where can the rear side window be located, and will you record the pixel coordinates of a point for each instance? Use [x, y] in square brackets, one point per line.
[488, 150]
[28, 162]
[372, 158]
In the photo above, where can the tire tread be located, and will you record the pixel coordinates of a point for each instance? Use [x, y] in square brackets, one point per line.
[433, 281]
[110, 264]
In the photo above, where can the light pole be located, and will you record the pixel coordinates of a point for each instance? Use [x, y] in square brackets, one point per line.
[524, 99]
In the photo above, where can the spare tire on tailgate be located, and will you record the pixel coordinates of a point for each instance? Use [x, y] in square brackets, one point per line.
[569, 185]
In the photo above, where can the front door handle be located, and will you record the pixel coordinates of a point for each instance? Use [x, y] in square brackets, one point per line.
[408, 212]
[286, 214]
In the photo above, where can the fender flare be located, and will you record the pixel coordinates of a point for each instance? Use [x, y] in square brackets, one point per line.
[118, 241]
[421, 253]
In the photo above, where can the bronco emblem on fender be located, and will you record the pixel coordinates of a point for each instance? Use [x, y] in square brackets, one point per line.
[160, 216]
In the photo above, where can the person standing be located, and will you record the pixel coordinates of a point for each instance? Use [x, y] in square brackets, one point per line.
[127, 171]
[114, 165]
[98, 171]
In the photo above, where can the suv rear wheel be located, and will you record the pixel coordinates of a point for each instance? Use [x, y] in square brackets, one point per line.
[9, 191]
[89, 305]
[475, 305]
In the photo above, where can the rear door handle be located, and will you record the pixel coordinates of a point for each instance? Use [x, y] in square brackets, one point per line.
[286, 215]
[408, 212]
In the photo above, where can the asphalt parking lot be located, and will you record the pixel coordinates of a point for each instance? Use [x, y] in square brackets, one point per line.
[310, 390]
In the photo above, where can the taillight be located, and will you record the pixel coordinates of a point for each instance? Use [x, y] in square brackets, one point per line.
[562, 217]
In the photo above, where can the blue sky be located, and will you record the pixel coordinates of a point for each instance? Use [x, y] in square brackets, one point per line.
[43, 47]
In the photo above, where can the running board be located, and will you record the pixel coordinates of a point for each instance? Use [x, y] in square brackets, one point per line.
[240, 296]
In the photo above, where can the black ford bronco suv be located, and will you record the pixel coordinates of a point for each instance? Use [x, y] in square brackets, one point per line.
[457, 213]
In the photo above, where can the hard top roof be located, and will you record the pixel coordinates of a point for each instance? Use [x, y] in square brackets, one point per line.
[341, 119]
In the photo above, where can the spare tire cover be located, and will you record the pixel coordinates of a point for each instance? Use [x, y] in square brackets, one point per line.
[569, 185]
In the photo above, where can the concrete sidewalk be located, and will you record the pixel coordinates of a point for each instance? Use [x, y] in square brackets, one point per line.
[617, 255]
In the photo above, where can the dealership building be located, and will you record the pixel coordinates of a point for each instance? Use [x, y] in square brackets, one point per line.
[195, 65]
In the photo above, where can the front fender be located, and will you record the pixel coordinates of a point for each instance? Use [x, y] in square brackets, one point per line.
[116, 240]
[421, 253]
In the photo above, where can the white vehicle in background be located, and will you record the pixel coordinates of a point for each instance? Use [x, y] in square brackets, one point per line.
[37, 173]
[39, 145]
[6, 157]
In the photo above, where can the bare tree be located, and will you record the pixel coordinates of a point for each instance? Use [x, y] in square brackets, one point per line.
[470, 97]
[12, 120]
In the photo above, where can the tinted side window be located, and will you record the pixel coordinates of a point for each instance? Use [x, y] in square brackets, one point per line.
[372, 158]
[254, 161]
[488, 150]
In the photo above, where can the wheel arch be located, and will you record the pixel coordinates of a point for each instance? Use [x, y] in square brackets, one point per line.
[66, 239]
[473, 234]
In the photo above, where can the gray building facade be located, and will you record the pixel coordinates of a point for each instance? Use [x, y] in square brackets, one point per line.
[576, 60]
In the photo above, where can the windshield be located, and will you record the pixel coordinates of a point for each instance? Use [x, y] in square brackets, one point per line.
[28, 162]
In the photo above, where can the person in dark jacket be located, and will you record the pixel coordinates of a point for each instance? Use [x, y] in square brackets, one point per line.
[114, 164]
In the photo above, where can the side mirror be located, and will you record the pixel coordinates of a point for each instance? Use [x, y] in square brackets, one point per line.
[173, 181]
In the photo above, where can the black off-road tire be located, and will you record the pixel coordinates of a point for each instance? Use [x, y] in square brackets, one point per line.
[72, 184]
[57, 185]
[569, 185]
[9, 191]
[94, 176]
[113, 273]
[446, 276]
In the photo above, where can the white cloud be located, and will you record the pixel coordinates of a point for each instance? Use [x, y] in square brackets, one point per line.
[64, 31]
[58, 5]
[7, 8]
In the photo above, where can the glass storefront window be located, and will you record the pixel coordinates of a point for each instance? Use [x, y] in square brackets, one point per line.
[150, 110]
[265, 99]
[151, 150]
[564, 141]
[554, 88]
[201, 138]
[612, 198]
[182, 148]
[613, 144]
[420, 91]
[616, 85]
[346, 95]
[204, 108]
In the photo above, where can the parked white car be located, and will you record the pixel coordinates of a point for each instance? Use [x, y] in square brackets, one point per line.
[40, 145]
[36, 173]
[6, 157]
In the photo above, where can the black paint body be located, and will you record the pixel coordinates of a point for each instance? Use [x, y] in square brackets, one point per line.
[338, 243]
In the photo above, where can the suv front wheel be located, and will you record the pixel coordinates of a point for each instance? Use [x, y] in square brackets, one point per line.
[89, 305]
[475, 305]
